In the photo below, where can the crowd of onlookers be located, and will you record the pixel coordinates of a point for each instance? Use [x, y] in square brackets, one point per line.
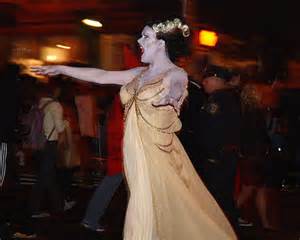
[77, 119]
[261, 160]
[53, 129]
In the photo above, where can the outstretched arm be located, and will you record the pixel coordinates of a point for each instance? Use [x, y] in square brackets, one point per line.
[94, 75]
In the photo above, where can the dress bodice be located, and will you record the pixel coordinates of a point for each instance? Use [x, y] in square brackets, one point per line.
[162, 118]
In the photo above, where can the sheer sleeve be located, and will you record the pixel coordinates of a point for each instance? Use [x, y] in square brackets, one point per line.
[174, 90]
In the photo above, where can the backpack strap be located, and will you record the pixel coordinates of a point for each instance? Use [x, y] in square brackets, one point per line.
[50, 133]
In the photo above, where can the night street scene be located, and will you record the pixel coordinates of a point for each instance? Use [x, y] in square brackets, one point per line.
[149, 120]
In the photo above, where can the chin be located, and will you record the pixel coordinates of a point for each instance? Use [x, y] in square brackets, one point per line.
[144, 60]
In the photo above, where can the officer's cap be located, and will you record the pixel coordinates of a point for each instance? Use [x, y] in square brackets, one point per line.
[218, 71]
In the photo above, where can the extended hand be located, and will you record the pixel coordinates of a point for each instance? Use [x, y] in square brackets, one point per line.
[50, 70]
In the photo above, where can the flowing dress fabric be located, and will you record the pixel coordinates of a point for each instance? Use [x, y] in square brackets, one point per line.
[168, 201]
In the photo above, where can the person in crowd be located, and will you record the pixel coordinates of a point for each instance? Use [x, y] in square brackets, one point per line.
[167, 199]
[114, 176]
[9, 104]
[53, 125]
[69, 147]
[49, 113]
[219, 138]
[255, 145]
[276, 168]
[87, 115]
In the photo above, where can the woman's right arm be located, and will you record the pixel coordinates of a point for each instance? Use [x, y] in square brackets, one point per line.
[94, 75]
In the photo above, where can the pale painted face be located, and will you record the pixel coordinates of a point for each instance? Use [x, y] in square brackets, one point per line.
[149, 45]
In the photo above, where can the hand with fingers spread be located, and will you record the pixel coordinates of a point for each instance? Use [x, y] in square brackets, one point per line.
[49, 70]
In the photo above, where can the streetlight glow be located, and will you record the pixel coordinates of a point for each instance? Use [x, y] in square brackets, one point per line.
[208, 38]
[63, 46]
[92, 23]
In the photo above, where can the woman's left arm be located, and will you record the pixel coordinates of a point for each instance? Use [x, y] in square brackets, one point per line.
[175, 84]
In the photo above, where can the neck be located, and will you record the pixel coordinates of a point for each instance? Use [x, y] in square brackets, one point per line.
[160, 64]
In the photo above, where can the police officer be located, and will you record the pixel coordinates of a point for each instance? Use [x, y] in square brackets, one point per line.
[190, 117]
[218, 141]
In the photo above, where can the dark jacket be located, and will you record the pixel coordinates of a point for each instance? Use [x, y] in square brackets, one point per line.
[190, 118]
[8, 102]
[220, 126]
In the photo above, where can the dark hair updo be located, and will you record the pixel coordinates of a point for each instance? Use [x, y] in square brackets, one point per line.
[176, 38]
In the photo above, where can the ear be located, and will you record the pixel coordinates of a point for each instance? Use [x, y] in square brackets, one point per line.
[162, 43]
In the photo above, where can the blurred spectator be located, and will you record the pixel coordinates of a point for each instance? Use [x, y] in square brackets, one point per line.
[47, 157]
[254, 148]
[87, 115]
[69, 150]
[279, 151]
[219, 137]
[9, 103]
[53, 125]
[108, 186]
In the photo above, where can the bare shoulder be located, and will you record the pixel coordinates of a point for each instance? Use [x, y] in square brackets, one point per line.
[133, 72]
[119, 77]
[177, 76]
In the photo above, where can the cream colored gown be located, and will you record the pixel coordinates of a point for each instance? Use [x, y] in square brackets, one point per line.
[168, 201]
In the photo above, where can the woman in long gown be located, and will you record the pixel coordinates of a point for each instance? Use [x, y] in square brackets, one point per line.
[168, 201]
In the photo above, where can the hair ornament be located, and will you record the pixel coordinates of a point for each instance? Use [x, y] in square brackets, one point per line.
[169, 26]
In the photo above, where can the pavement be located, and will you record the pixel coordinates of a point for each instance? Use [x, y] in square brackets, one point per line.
[13, 209]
